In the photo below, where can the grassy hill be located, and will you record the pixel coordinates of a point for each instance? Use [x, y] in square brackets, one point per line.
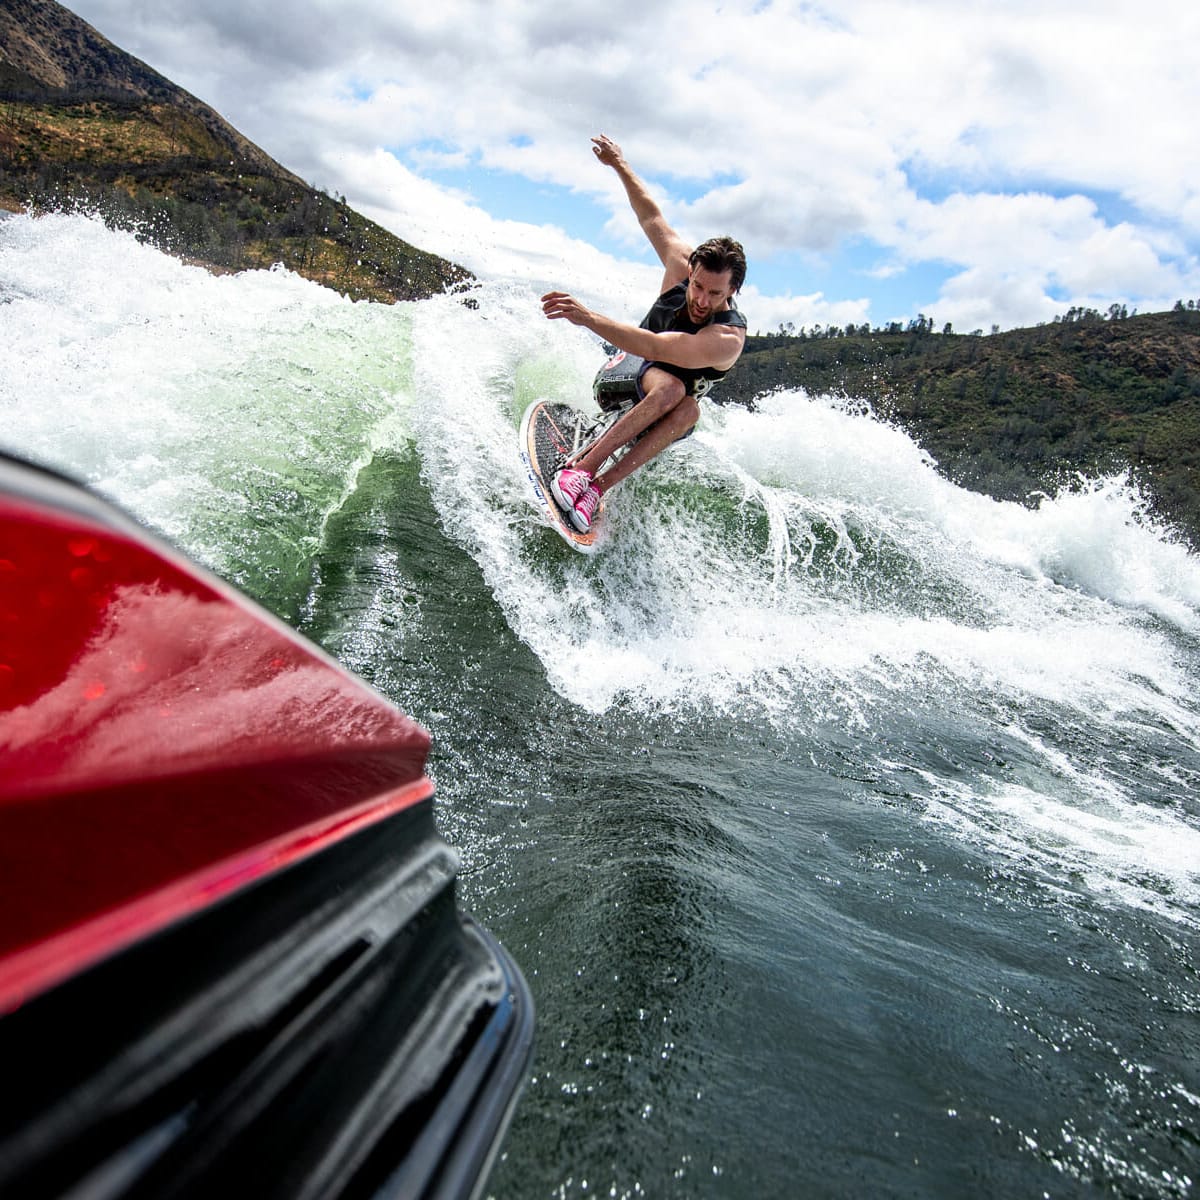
[1014, 413]
[83, 124]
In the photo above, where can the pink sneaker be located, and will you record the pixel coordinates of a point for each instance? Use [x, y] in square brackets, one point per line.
[584, 512]
[567, 486]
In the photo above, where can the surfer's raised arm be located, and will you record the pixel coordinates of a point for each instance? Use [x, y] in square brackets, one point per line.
[671, 249]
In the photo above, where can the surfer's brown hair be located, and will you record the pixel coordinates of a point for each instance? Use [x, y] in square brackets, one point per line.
[722, 254]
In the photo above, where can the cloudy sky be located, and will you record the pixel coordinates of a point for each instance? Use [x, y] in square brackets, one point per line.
[983, 162]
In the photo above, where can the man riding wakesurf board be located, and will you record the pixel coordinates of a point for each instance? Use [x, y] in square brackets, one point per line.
[689, 339]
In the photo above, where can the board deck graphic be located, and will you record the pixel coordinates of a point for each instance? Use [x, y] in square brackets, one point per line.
[550, 433]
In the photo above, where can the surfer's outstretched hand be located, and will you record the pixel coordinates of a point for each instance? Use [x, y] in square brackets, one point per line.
[559, 306]
[606, 150]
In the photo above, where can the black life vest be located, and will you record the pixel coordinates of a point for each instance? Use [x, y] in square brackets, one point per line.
[669, 314]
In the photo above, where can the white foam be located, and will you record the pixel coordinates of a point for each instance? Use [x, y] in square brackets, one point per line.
[804, 564]
[808, 563]
[197, 401]
[1096, 537]
[1119, 848]
[805, 541]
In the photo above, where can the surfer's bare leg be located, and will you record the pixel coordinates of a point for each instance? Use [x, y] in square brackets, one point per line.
[667, 404]
[652, 443]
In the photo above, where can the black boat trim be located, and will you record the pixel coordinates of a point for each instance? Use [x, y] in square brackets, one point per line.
[337, 1029]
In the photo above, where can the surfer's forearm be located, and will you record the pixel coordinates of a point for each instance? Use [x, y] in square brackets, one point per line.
[560, 306]
[632, 339]
[717, 346]
[644, 206]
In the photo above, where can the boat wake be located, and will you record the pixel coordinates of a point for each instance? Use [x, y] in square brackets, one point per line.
[804, 564]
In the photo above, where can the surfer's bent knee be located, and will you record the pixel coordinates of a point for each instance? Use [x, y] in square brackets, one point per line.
[663, 391]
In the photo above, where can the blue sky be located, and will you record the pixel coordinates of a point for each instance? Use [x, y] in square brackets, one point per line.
[983, 164]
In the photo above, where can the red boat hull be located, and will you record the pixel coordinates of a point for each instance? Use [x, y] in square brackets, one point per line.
[227, 922]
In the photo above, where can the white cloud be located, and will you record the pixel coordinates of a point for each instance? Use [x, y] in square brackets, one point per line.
[451, 224]
[1031, 256]
[1044, 153]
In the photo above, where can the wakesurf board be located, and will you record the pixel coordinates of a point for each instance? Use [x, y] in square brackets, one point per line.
[551, 434]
